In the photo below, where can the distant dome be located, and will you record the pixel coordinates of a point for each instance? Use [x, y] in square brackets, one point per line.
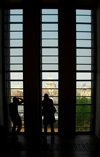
[50, 84]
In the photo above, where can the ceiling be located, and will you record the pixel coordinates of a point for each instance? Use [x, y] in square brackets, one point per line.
[61, 2]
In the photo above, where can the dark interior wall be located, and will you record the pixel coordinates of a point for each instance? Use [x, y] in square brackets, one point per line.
[31, 64]
[67, 71]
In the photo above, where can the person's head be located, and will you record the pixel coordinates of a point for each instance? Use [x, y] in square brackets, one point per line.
[15, 100]
[46, 96]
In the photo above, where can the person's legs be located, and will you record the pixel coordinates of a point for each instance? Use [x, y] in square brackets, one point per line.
[52, 130]
[19, 125]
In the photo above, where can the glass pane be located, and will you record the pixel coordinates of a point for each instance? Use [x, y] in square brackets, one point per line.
[16, 11]
[16, 27]
[16, 18]
[49, 11]
[83, 84]
[49, 51]
[83, 35]
[83, 60]
[83, 116]
[16, 35]
[49, 34]
[48, 27]
[85, 108]
[83, 12]
[83, 76]
[52, 43]
[16, 43]
[49, 84]
[17, 92]
[83, 27]
[16, 60]
[16, 84]
[83, 92]
[83, 43]
[16, 75]
[83, 67]
[49, 18]
[50, 76]
[83, 52]
[15, 52]
[49, 59]
[83, 19]
[49, 67]
[16, 67]
[83, 100]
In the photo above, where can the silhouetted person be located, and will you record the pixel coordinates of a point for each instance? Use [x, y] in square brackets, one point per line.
[15, 118]
[48, 113]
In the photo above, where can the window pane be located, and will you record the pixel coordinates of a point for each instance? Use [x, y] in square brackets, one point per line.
[49, 67]
[52, 43]
[16, 27]
[49, 51]
[83, 67]
[49, 18]
[83, 76]
[83, 19]
[83, 27]
[16, 11]
[83, 60]
[15, 52]
[16, 43]
[16, 67]
[16, 76]
[49, 59]
[46, 75]
[83, 12]
[83, 35]
[16, 60]
[16, 18]
[83, 92]
[83, 52]
[49, 11]
[16, 35]
[49, 27]
[83, 84]
[83, 43]
[49, 34]
[49, 84]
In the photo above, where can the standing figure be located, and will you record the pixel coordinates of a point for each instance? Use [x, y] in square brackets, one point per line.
[15, 118]
[48, 113]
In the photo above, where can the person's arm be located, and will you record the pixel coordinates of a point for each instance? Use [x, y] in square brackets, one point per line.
[20, 102]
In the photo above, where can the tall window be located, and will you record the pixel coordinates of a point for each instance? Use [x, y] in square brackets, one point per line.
[84, 70]
[49, 59]
[13, 53]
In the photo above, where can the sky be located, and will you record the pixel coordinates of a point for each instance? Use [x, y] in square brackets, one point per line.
[50, 39]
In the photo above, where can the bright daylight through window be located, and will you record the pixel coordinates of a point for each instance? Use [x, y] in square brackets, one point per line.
[13, 53]
[49, 65]
[84, 70]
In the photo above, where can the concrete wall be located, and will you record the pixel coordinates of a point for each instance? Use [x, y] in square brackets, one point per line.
[1, 93]
[97, 124]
